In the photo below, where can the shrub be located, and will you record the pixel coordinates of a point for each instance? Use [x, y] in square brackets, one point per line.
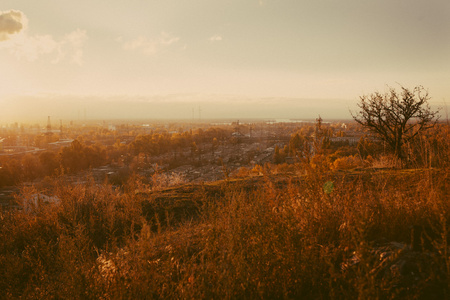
[348, 162]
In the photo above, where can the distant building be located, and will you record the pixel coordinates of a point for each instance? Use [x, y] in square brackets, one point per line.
[61, 143]
[237, 134]
[352, 140]
[36, 201]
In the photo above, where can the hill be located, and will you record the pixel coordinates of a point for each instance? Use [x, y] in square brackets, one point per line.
[341, 235]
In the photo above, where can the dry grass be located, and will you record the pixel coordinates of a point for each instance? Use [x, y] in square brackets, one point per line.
[264, 237]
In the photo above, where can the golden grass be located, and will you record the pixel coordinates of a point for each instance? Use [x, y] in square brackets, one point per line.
[263, 237]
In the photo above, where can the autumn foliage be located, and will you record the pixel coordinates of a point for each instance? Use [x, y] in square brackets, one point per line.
[337, 223]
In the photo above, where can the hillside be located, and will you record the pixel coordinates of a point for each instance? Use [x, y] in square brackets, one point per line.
[374, 234]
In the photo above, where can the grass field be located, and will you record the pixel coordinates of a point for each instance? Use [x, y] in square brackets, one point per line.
[376, 234]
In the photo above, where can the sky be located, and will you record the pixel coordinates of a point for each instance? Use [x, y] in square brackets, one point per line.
[216, 58]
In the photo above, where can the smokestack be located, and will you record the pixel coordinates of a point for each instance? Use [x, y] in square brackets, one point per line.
[49, 125]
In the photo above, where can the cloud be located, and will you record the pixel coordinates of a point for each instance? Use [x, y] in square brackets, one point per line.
[261, 3]
[11, 22]
[149, 46]
[215, 38]
[15, 39]
[72, 44]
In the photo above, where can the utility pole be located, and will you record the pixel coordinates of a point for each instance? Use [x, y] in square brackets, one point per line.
[49, 126]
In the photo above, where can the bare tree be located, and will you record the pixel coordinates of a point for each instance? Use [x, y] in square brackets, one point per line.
[396, 117]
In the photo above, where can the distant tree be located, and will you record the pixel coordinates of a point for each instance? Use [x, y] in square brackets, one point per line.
[194, 149]
[299, 145]
[10, 172]
[295, 143]
[31, 166]
[396, 117]
[276, 155]
[49, 162]
[72, 158]
[367, 146]
[214, 146]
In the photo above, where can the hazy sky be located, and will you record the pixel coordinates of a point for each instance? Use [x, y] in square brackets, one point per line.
[57, 53]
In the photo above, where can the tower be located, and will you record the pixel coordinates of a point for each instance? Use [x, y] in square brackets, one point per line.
[49, 127]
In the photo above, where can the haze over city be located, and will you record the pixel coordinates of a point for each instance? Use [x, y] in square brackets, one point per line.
[215, 59]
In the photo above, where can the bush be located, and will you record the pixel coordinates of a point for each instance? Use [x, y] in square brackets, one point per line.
[346, 163]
